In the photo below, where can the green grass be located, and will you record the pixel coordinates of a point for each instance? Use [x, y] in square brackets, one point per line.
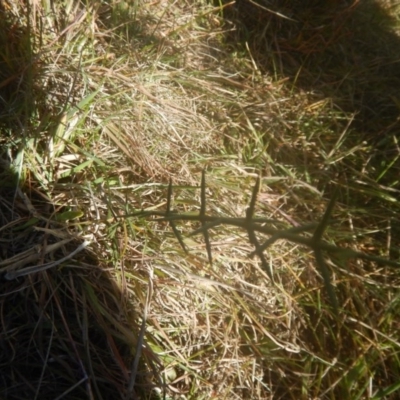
[104, 104]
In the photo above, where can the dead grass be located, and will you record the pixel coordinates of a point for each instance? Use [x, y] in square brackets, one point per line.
[103, 105]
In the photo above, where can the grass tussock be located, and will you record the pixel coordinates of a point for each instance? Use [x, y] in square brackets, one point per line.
[103, 104]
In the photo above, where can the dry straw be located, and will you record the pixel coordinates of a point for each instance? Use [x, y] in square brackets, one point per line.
[275, 278]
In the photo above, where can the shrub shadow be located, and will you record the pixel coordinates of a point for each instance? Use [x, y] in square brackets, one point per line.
[343, 50]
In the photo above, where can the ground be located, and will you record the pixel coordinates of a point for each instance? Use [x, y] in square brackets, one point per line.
[199, 199]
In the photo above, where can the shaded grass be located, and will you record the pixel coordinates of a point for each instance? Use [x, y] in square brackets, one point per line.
[64, 330]
[342, 52]
[132, 97]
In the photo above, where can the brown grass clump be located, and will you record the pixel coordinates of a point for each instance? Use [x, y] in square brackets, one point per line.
[104, 104]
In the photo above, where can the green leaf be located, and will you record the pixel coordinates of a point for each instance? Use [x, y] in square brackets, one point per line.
[382, 393]
[68, 215]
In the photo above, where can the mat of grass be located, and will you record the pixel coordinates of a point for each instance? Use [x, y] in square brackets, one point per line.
[102, 105]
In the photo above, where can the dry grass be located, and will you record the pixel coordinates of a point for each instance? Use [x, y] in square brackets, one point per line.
[103, 104]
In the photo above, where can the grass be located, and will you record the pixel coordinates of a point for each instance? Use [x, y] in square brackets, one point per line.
[103, 104]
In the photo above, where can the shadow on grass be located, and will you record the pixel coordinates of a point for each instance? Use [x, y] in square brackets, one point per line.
[16, 73]
[344, 50]
[347, 52]
[67, 329]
